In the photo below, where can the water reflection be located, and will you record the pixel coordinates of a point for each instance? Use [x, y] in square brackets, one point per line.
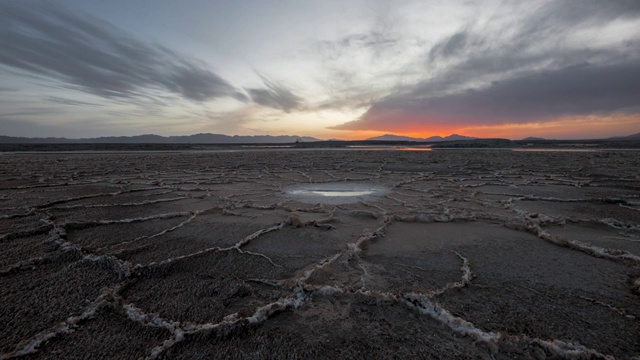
[413, 148]
[389, 148]
[555, 150]
[334, 193]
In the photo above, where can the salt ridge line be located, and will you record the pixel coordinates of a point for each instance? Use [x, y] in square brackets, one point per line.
[237, 246]
[423, 304]
[561, 220]
[610, 307]
[355, 248]
[467, 275]
[75, 225]
[57, 235]
[364, 275]
[519, 197]
[68, 326]
[229, 323]
[26, 187]
[631, 207]
[616, 224]
[89, 196]
[463, 327]
[141, 203]
[192, 216]
[533, 226]
[173, 228]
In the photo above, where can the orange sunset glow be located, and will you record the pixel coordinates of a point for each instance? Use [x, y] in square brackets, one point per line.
[582, 127]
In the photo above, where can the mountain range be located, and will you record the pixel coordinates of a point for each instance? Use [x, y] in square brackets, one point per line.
[157, 139]
[630, 137]
[391, 137]
[207, 138]
[533, 138]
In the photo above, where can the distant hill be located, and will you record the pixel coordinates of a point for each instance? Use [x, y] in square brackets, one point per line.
[390, 137]
[157, 139]
[630, 137]
[533, 138]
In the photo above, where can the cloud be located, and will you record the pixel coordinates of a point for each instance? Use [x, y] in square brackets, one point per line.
[527, 69]
[64, 101]
[578, 90]
[93, 56]
[451, 46]
[275, 96]
[563, 15]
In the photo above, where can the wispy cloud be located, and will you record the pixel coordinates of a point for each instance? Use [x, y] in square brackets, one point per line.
[64, 101]
[93, 56]
[275, 96]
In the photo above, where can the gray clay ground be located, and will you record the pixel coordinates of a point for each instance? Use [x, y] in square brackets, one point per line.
[467, 254]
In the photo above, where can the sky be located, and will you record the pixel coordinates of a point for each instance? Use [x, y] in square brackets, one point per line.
[566, 69]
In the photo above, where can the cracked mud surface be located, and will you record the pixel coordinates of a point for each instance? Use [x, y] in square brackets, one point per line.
[466, 254]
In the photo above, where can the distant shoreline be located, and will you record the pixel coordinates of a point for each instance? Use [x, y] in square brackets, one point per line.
[363, 145]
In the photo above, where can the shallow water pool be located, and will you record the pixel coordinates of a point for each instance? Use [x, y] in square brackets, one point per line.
[334, 193]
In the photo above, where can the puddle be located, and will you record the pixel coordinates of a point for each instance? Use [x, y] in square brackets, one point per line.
[334, 193]
[331, 192]
[389, 147]
[555, 150]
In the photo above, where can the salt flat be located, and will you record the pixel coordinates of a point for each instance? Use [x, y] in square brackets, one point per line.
[320, 254]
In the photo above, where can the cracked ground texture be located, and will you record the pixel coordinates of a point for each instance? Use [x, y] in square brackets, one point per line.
[468, 254]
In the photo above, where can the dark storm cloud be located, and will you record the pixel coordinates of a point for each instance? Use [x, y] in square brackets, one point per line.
[93, 56]
[521, 72]
[577, 90]
[275, 96]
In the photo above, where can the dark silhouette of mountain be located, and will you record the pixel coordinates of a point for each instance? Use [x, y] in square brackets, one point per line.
[533, 138]
[391, 137]
[630, 137]
[457, 137]
[157, 139]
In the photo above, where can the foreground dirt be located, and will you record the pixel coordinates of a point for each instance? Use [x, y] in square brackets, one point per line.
[469, 254]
